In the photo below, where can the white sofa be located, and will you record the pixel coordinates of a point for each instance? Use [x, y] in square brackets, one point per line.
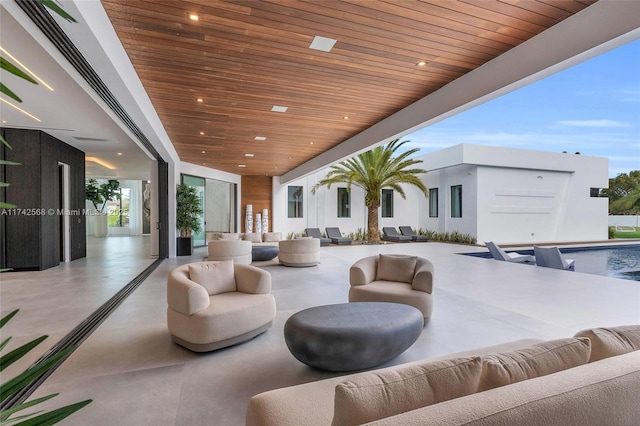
[591, 379]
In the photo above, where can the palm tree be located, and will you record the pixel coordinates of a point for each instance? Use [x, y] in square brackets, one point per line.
[372, 171]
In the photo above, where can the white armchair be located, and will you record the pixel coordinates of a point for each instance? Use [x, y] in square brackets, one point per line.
[212, 305]
[393, 278]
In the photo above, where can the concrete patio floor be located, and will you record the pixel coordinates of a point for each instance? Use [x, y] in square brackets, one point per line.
[137, 376]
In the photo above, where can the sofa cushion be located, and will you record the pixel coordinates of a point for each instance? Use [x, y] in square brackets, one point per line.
[216, 277]
[229, 236]
[543, 358]
[271, 237]
[612, 341]
[254, 237]
[396, 267]
[376, 395]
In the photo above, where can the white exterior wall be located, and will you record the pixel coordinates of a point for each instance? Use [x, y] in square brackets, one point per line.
[519, 196]
[321, 210]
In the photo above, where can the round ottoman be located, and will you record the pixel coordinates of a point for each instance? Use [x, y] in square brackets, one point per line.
[352, 336]
[261, 253]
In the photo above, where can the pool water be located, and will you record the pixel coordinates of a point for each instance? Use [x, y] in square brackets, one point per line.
[620, 261]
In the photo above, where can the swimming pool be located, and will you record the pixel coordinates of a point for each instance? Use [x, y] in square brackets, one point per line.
[618, 261]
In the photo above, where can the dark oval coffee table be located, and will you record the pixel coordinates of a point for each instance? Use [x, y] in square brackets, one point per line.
[352, 336]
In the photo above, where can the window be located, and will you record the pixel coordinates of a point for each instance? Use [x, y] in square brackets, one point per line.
[118, 209]
[344, 203]
[387, 203]
[294, 201]
[456, 201]
[595, 192]
[433, 202]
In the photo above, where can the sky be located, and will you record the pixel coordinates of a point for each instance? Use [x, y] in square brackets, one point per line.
[592, 108]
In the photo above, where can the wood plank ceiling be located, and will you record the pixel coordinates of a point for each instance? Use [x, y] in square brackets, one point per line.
[241, 58]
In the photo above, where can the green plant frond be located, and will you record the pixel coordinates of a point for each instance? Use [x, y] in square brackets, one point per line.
[4, 142]
[5, 342]
[7, 205]
[9, 163]
[24, 406]
[5, 319]
[4, 89]
[14, 385]
[8, 66]
[55, 416]
[18, 353]
[57, 9]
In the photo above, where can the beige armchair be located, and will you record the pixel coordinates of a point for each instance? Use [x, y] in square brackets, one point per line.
[393, 278]
[237, 250]
[299, 252]
[212, 305]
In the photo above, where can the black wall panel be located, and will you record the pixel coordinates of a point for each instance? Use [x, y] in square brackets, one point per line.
[31, 232]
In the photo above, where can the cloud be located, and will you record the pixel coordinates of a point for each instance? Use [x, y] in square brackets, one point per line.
[593, 123]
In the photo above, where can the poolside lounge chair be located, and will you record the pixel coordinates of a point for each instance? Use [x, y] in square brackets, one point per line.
[407, 230]
[390, 234]
[336, 236]
[315, 233]
[551, 257]
[499, 254]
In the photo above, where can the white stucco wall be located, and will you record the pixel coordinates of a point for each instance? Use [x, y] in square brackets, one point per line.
[519, 196]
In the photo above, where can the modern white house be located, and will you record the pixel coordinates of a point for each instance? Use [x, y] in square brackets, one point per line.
[505, 195]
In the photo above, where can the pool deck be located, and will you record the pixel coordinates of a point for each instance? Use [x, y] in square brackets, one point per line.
[136, 375]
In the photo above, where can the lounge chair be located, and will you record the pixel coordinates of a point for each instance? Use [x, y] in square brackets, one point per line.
[390, 234]
[336, 236]
[315, 233]
[551, 257]
[499, 254]
[407, 230]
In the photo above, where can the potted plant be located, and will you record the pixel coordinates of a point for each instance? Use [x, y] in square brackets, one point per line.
[188, 211]
[99, 195]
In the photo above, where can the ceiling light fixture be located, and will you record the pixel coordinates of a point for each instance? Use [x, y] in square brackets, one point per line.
[200, 100]
[421, 63]
[119, 153]
[346, 117]
[193, 17]
[242, 165]
[203, 152]
[25, 68]
[322, 43]
[311, 143]
[260, 138]
[201, 133]
[21, 110]
[248, 155]
[277, 108]
[100, 162]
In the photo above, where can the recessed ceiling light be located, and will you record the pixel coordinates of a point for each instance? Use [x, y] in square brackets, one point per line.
[193, 17]
[203, 152]
[248, 155]
[25, 68]
[20, 109]
[346, 117]
[200, 100]
[201, 133]
[322, 43]
[242, 165]
[277, 108]
[119, 153]
[311, 143]
[421, 63]
[260, 138]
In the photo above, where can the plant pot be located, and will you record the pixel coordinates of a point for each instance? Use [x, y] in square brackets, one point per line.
[100, 225]
[183, 246]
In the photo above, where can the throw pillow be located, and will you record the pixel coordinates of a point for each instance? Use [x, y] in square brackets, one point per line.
[254, 237]
[396, 267]
[215, 277]
[533, 361]
[612, 341]
[271, 237]
[229, 236]
[368, 397]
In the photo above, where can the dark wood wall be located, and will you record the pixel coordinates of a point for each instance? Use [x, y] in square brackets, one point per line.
[257, 191]
[31, 232]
